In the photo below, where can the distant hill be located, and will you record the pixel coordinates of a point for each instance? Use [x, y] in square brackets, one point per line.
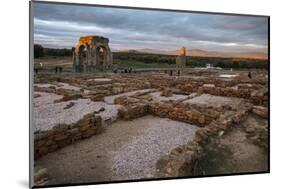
[203, 53]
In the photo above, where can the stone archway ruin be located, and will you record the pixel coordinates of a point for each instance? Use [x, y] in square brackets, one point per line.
[91, 54]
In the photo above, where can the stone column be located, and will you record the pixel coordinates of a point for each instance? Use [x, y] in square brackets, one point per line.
[74, 59]
[181, 61]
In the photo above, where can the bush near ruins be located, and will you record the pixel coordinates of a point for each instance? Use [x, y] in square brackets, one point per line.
[38, 51]
[57, 52]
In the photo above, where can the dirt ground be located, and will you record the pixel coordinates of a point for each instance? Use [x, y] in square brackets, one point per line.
[235, 153]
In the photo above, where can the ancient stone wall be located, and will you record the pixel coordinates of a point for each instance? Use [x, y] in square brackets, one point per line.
[92, 53]
[63, 135]
[135, 107]
[180, 114]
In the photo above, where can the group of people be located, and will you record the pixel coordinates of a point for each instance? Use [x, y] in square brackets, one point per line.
[58, 69]
[125, 70]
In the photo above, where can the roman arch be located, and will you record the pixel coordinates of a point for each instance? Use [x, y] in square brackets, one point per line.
[91, 54]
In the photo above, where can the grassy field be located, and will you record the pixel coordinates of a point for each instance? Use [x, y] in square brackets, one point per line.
[137, 64]
[140, 60]
[66, 62]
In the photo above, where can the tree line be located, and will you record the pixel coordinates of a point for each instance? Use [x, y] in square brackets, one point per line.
[193, 61]
[40, 51]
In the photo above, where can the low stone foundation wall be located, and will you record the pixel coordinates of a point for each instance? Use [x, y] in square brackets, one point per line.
[133, 111]
[135, 107]
[180, 114]
[63, 135]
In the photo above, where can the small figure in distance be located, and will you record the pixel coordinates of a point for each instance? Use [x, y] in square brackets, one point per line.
[171, 72]
[179, 73]
[250, 75]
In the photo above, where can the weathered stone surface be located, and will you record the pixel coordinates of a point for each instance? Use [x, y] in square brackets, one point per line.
[181, 61]
[260, 111]
[63, 134]
[40, 176]
[92, 53]
[167, 92]
[133, 111]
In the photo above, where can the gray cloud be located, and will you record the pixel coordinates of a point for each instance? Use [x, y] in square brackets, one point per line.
[57, 25]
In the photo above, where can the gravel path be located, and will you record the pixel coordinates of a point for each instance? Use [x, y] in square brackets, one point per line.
[58, 86]
[156, 96]
[211, 100]
[137, 159]
[110, 99]
[126, 150]
[47, 114]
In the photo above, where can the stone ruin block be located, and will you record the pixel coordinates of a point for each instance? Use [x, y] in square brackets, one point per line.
[63, 134]
[92, 53]
[181, 61]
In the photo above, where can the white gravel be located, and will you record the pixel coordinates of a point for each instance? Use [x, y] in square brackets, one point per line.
[102, 79]
[228, 75]
[156, 96]
[208, 85]
[58, 86]
[137, 159]
[47, 114]
[126, 150]
[110, 99]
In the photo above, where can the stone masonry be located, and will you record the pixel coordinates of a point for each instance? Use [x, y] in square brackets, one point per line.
[91, 54]
[181, 61]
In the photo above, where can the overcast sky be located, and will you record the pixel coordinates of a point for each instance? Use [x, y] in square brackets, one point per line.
[60, 26]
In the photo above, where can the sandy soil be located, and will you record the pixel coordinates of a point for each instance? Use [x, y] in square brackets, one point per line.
[246, 156]
[126, 150]
[235, 153]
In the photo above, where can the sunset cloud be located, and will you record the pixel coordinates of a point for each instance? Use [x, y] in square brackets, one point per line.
[60, 26]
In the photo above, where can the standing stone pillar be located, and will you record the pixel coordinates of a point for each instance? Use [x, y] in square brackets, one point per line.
[88, 59]
[181, 61]
[74, 59]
